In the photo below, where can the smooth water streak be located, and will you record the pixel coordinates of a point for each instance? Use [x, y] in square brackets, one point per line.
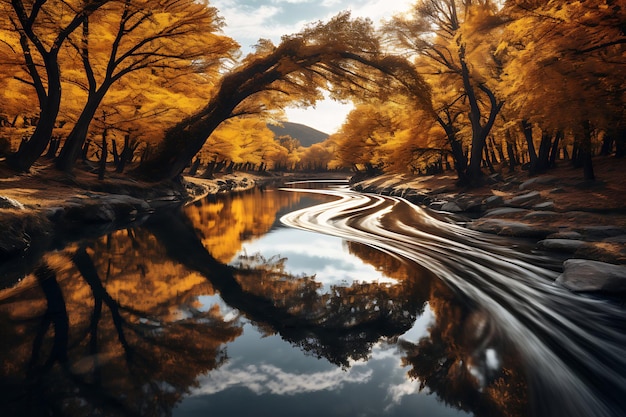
[573, 346]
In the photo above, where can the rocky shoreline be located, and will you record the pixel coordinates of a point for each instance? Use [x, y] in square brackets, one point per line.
[35, 221]
[591, 239]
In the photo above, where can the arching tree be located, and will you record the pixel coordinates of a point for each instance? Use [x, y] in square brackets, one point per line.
[342, 55]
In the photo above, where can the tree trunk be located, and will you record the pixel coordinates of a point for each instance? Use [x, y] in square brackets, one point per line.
[488, 162]
[85, 150]
[193, 170]
[184, 141]
[76, 138]
[527, 128]
[607, 145]
[587, 152]
[510, 150]
[479, 131]
[543, 158]
[26, 156]
[103, 158]
[555, 149]
[620, 143]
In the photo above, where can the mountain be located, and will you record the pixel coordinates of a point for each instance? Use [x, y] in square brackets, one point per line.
[305, 134]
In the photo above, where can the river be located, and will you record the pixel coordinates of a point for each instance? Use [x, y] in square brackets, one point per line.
[308, 300]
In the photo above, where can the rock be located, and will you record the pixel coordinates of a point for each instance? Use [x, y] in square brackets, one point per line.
[561, 245]
[104, 209]
[504, 211]
[493, 201]
[569, 234]
[9, 203]
[585, 275]
[471, 205]
[451, 207]
[540, 215]
[511, 228]
[547, 205]
[544, 179]
[601, 231]
[524, 199]
[417, 197]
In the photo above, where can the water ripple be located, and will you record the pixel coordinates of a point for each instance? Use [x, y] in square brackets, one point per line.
[573, 346]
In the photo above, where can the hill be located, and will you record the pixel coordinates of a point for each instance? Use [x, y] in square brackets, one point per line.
[305, 134]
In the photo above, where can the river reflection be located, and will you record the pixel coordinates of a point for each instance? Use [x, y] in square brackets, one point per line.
[219, 310]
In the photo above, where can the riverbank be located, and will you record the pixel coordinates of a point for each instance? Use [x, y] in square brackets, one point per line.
[583, 222]
[45, 209]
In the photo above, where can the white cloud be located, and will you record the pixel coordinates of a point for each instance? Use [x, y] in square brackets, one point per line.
[248, 21]
[327, 115]
[269, 379]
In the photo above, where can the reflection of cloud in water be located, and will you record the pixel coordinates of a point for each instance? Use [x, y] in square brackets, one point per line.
[325, 256]
[395, 393]
[269, 379]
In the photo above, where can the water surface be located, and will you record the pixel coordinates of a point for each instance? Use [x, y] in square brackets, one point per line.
[312, 300]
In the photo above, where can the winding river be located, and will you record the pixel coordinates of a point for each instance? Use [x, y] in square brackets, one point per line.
[310, 300]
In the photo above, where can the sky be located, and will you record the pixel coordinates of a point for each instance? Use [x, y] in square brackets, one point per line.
[249, 20]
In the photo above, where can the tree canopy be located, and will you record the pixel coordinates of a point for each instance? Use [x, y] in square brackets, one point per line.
[456, 83]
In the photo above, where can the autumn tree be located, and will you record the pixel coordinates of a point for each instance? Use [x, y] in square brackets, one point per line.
[442, 37]
[342, 55]
[563, 69]
[371, 133]
[43, 28]
[162, 41]
[16, 96]
[288, 154]
[317, 157]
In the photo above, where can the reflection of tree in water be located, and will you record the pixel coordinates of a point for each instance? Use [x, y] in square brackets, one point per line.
[120, 331]
[465, 362]
[223, 222]
[340, 325]
[106, 335]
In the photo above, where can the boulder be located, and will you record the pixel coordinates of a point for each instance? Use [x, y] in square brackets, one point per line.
[546, 205]
[541, 215]
[504, 211]
[544, 179]
[451, 207]
[511, 228]
[524, 199]
[601, 231]
[493, 201]
[582, 275]
[561, 245]
[566, 234]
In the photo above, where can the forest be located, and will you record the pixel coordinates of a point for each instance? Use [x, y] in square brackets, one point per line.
[153, 88]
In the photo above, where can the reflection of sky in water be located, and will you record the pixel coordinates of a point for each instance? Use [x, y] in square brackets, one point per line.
[326, 257]
[267, 376]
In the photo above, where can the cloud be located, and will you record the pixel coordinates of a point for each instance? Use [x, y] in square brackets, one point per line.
[269, 379]
[248, 21]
